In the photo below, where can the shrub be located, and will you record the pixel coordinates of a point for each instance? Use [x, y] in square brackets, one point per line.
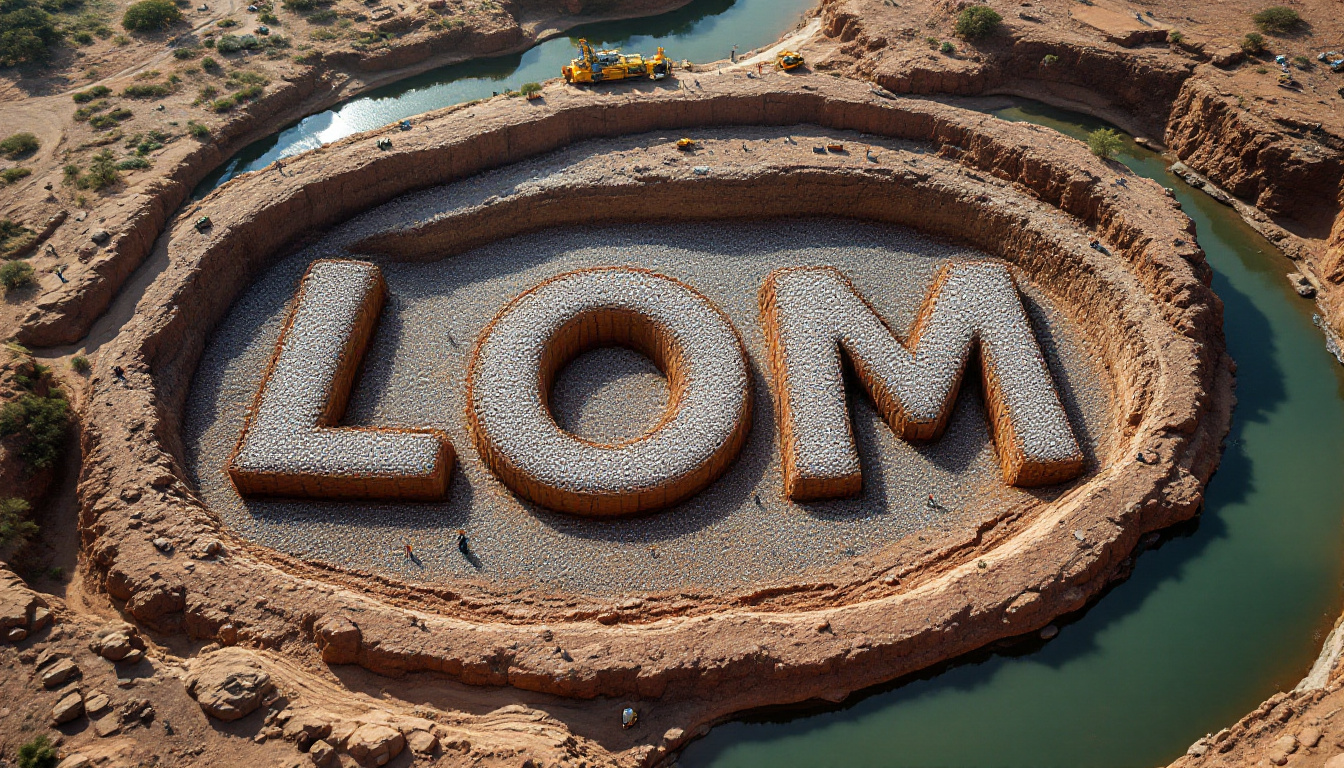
[197, 130]
[13, 234]
[1104, 143]
[186, 53]
[150, 15]
[947, 48]
[11, 175]
[102, 172]
[232, 43]
[209, 64]
[324, 16]
[27, 32]
[299, 5]
[1049, 59]
[41, 421]
[80, 364]
[1253, 43]
[1277, 19]
[16, 531]
[223, 105]
[266, 17]
[1302, 62]
[19, 145]
[134, 164]
[16, 274]
[1175, 37]
[977, 21]
[147, 91]
[96, 92]
[529, 88]
[226, 23]
[82, 38]
[120, 113]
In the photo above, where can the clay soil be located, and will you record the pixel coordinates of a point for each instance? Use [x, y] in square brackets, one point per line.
[498, 687]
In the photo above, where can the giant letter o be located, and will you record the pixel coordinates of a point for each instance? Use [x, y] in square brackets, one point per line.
[532, 338]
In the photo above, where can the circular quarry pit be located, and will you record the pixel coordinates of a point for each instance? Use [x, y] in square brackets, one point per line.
[857, 385]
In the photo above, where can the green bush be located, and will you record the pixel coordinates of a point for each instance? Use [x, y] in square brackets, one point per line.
[977, 21]
[15, 530]
[324, 16]
[19, 145]
[96, 92]
[528, 88]
[150, 15]
[299, 5]
[80, 364]
[209, 64]
[16, 274]
[27, 32]
[197, 130]
[41, 421]
[82, 38]
[147, 91]
[1049, 59]
[223, 105]
[186, 53]
[1104, 143]
[1175, 37]
[226, 23]
[13, 235]
[134, 164]
[233, 43]
[1302, 62]
[266, 17]
[1253, 43]
[1277, 19]
[11, 175]
[947, 48]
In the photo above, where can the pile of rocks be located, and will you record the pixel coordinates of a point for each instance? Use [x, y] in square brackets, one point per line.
[22, 611]
[290, 445]
[521, 351]
[811, 312]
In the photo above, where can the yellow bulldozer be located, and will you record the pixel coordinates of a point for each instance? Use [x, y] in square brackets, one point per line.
[602, 66]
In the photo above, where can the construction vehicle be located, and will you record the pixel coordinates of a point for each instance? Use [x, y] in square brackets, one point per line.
[602, 66]
[787, 60]
[686, 145]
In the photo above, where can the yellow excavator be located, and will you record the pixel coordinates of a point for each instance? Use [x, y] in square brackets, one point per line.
[602, 66]
[787, 60]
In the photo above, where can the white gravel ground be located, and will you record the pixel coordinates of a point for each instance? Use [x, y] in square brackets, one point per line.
[738, 532]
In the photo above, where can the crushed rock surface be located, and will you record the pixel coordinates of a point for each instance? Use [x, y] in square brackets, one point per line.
[738, 533]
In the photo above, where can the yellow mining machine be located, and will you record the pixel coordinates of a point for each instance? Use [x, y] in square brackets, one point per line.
[787, 60]
[601, 66]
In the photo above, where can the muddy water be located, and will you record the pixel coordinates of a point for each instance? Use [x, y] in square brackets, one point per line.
[704, 30]
[1215, 618]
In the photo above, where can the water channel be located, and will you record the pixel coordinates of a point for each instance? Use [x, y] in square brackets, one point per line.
[703, 30]
[1218, 616]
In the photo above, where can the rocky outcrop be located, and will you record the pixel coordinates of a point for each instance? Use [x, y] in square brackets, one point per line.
[1284, 172]
[22, 611]
[229, 684]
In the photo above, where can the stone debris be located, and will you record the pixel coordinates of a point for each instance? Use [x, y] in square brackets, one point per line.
[812, 313]
[68, 708]
[229, 684]
[118, 641]
[59, 674]
[321, 753]
[291, 445]
[537, 333]
[422, 742]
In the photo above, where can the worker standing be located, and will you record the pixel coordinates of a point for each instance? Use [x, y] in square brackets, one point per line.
[733, 56]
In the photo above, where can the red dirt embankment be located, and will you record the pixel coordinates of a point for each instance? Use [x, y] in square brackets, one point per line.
[1013, 190]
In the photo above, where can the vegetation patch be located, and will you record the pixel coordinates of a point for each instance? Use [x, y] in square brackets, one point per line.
[19, 145]
[147, 91]
[39, 420]
[16, 274]
[28, 31]
[11, 175]
[1105, 143]
[1253, 43]
[96, 92]
[102, 173]
[150, 15]
[13, 236]
[977, 22]
[16, 529]
[1277, 19]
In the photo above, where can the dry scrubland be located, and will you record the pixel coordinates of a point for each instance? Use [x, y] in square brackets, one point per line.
[120, 161]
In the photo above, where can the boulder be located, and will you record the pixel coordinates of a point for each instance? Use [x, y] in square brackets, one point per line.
[59, 673]
[375, 744]
[116, 641]
[96, 702]
[422, 742]
[229, 684]
[307, 726]
[68, 708]
[18, 605]
[321, 753]
[337, 638]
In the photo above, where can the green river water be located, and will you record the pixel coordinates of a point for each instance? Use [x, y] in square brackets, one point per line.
[1221, 614]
